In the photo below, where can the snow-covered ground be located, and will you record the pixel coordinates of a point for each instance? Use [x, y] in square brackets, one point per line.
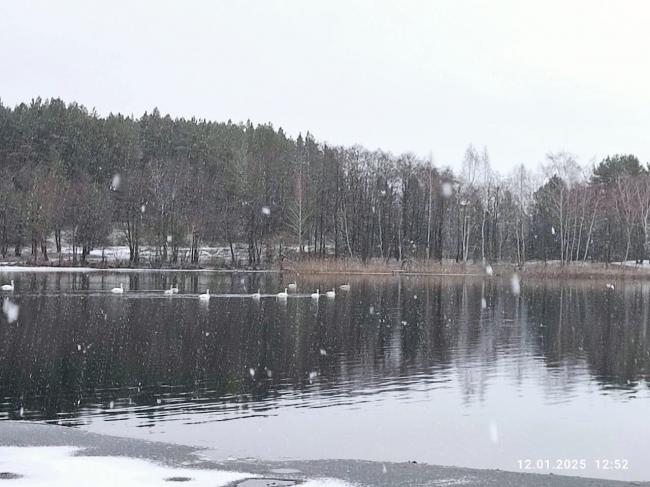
[634, 263]
[6, 268]
[120, 253]
[58, 466]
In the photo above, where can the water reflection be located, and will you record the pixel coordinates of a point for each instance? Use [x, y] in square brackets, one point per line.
[80, 356]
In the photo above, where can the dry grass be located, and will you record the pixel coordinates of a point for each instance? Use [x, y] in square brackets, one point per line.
[311, 265]
[590, 270]
[539, 270]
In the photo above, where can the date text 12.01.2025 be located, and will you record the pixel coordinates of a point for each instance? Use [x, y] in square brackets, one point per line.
[572, 464]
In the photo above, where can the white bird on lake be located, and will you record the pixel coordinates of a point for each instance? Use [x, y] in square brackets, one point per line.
[293, 286]
[256, 295]
[283, 294]
[331, 294]
[344, 287]
[118, 290]
[206, 296]
[171, 290]
[8, 287]
[315, 295]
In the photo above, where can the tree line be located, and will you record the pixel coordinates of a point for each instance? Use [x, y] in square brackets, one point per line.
[71, 179]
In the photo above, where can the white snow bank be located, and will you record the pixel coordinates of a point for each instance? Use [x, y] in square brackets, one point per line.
[34, 269]
[9, 269]
[6, 269]
[59, 467]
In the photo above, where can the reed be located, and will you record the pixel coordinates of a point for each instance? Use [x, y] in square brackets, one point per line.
[541, 270]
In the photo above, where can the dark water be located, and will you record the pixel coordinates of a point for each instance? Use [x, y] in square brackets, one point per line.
[393, 370]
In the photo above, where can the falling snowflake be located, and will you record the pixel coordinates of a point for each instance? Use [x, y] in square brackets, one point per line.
[323, 352]
[514, 284]
[488, 270]
[115, 184]
[251, 371]
[447, 190]
[266, 210]
[10, 310]
[494, 432]
[483, 303]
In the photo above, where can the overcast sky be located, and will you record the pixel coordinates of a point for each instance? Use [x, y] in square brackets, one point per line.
[520, 77]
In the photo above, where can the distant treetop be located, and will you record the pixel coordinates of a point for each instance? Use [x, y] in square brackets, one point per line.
[613, 167]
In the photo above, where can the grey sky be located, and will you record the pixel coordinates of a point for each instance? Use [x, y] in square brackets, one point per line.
[521, 77]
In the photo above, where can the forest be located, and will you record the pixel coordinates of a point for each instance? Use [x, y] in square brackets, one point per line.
[70, 178]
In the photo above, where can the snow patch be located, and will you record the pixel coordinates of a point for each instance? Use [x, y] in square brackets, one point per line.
[460, 481]
[59, 467]
[15, 268]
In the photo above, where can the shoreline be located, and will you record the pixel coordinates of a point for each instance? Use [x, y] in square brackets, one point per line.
[535, 270]
[355, 472]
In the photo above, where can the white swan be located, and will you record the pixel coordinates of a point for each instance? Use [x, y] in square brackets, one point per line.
[331, 294]
[171, 290]
[8, 287]
[284, 294]
[316, 295]
[206, 296]
[118, 290]
[256, 295]
[293, 286]
[344, 287]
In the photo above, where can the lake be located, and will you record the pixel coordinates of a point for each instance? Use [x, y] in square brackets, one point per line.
[445, 371]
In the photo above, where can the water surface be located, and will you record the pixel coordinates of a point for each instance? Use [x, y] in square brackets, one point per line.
[442, 371]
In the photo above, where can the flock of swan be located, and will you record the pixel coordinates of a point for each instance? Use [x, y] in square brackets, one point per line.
[257, 295]
[206, 296]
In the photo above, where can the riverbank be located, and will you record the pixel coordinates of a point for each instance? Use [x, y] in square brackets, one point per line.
[375, 267]
[542, 270]
[187, 462]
